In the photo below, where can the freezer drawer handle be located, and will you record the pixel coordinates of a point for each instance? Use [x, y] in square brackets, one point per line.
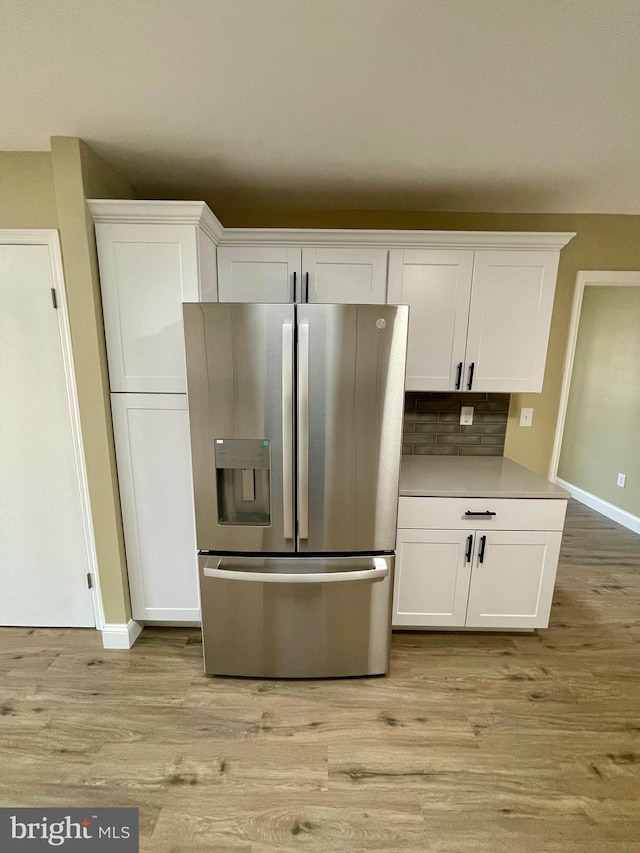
[287, 430]
[377, 573]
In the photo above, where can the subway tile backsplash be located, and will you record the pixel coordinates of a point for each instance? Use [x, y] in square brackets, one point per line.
[432, 424]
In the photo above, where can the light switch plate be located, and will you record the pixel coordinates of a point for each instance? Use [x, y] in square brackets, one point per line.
[526, 417]
[622, 480]
[466, 415]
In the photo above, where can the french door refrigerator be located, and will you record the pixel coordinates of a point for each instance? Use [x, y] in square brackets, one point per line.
[296, 426]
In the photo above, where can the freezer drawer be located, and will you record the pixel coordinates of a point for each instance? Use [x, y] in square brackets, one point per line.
[296, 617]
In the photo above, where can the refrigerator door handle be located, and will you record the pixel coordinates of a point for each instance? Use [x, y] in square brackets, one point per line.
[303, 429]
[287, 430]
[379, 571]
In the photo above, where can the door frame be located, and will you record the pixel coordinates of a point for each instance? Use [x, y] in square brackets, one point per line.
[584, 278]
[49, 238]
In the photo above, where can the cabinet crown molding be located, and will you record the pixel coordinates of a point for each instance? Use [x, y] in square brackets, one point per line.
[197, 212]
[394, 239]
[157, 212]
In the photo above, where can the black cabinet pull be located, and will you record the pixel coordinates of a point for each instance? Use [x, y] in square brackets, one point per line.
[485, 512]
[306, 294]
[483, 545]
[467, 556]
[471, 369]
[459, 376]
[294, 286]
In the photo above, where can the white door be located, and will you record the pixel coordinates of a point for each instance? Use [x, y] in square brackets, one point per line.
[43, 551]
[513, 585]
[431, 578]
[259, 274]
[356, 276]
[436, 284]
[154, 471]
[509, 320]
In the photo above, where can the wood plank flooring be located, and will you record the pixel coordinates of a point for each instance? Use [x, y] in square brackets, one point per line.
[474, 742]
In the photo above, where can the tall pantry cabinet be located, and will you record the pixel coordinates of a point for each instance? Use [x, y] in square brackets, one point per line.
[153, 256]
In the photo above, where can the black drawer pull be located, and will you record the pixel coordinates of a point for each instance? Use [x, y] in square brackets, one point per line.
[484, 514]
[294, 286]
[483, 545]
[467, 556]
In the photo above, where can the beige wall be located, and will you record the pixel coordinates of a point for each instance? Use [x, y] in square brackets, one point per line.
[79, 174]
[27, 193]
[603, 414]
[48, 190]
[602, 242]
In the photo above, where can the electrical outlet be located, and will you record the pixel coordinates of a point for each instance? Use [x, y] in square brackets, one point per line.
[466, 415]
[526, 417]
[622, 480]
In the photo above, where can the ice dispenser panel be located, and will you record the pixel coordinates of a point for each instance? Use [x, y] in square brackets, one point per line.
[243, 479]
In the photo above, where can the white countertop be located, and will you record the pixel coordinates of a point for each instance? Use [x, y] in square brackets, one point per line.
[469, 476]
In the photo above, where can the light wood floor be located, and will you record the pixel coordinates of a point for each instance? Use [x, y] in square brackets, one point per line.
[475, 742]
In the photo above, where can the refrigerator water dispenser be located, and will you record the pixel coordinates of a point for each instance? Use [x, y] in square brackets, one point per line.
[243, 480]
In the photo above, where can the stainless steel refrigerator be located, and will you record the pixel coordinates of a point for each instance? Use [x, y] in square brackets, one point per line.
[296, 427]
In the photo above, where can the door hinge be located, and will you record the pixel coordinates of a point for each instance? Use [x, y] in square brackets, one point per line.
[89, 580]
[54, 298]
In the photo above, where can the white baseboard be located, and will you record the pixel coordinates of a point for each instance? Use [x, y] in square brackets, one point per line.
[604, 507]
[120, 635]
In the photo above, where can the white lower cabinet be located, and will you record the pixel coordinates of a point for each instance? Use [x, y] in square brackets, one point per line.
[513, 585]
[154, 472]
[437, 597]
[476, 576]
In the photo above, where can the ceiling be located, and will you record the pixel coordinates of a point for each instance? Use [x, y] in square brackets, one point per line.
[476, 105]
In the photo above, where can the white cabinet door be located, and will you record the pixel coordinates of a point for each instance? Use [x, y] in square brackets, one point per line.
[154, 471]
[345, 275]
[431, 578]
[436, 284]
[509, 319]
[264, 274]
[513, 586]
[146, 272]
[258, 274]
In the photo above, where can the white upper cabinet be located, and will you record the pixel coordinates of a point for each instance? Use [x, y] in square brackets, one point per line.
[147, 270]
[345, 275]
[275, 274]
[509, 319]
[436, 284]
[258, 274]
[479, 320]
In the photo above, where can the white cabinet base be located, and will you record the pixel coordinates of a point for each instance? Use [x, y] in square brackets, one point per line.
[469, 575]
[431, 579]
[154, 471]
[513, 586]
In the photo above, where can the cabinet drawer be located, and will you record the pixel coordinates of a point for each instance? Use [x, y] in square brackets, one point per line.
[510, 513]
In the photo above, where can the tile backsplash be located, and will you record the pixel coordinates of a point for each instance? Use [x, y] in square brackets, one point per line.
[432, 424]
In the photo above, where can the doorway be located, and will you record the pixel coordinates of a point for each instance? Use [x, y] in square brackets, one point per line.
[595, 451]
